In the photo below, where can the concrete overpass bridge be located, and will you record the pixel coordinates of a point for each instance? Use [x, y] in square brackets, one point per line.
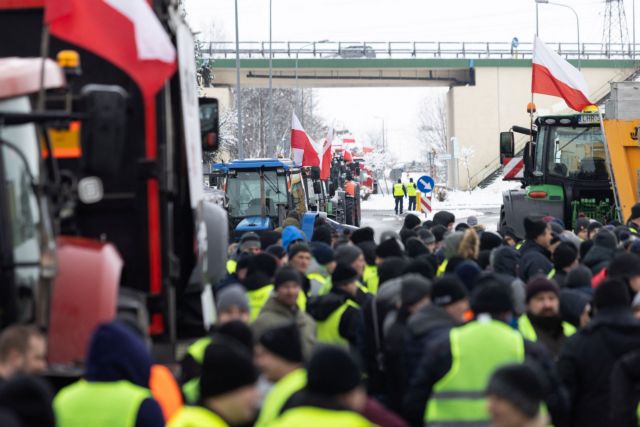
[489, 82]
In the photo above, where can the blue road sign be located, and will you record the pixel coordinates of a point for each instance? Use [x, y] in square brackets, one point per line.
[426, 184]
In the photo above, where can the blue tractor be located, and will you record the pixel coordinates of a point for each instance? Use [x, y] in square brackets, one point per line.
[261, 193]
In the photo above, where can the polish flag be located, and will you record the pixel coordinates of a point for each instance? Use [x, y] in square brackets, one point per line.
[124, 32]
[553, 75]
[303, 149]
[325, 169]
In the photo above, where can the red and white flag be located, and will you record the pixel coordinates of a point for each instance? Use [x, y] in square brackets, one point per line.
[302, 147]
[553, 75]
[124, 32]
[325, 169]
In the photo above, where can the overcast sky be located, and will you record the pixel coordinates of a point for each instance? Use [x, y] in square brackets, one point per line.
[397, 20]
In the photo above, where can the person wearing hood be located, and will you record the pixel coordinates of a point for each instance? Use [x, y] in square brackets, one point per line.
[580, 279]
[575, 307]
[505, 261]
[626, 266]
[282, 308]
[337, 313]
[588, 358]
[249, 244]
[228, 389]
[259, 282]
[291, 234]
[449, 302]
[542, 321]
[449, 383]
[115, 389]
[602, 251]
[534, 253]
[450, 250]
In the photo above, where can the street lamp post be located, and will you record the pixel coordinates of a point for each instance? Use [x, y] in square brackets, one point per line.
[299, 98]
[270, 129]
[238, 101]
[383, 133]
[577, 22]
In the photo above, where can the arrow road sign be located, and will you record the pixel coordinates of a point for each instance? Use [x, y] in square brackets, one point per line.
[426, 184]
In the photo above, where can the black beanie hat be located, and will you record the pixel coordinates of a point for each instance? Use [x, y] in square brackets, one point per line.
[413, 289]
[462, 226]
[491, 295]
[426, 236]
[364, 234]
[244, 259]
[296, 248]
[611, 293]
[284, 341]
[369, 251]
[579, 277]
[343, 275]
[277, 251]
[444, 218]
[489, 240]
[391, 268]
[411, 221]
[439, 232]
[287, 274]
[226, 367]
[322, 253]
[322, 233]
[447, 290]
[415, 247]
[572, 304]
[624, 265]
[520, 385]
[347, 254]
[564, 255]
[606, 239]
[389, 248]
[635, 211]
[533, 227]
[30, 399]
[238, 332]
[540, 284]
[268, 238]
[264, 263]
[421, 266]
[332, 371]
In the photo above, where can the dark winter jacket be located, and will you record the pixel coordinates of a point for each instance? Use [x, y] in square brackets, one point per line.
[602, 251]
[321, 307]
[534, 259]
[393, 350]
[587, 360]
[426, 325]
[437, 361]
[625, 391]
[116, 354]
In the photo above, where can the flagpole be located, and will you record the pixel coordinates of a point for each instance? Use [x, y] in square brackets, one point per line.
[613, 178]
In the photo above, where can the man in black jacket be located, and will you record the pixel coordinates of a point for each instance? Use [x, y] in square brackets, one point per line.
[535, 255]
[587, 359]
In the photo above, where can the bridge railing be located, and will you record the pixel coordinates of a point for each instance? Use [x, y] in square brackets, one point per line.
[415, 49]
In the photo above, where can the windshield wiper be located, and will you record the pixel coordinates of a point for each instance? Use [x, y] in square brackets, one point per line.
[574, 138]
[273, 187]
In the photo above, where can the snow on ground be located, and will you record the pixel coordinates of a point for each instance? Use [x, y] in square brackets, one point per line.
[464, 203]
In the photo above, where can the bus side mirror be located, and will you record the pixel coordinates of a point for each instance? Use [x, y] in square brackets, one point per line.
[209, 124]
[103, 135]
[507, 145]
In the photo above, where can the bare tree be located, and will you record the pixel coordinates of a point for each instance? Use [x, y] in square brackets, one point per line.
[466, 155]
[432, 133]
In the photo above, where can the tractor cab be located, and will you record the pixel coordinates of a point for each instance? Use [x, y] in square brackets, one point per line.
[260, 193]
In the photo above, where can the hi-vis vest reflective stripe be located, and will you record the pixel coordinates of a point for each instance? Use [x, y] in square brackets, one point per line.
[411, 189]
[278, 396]
[442, 268]
[370, 278]
[196, 416]
[477, 349]
[232, 265]
[196, 350]
[99, 404]
[191, 389]
[551, 274]
[398, 190]
[527, 330]
[317, 417]
[328, 330]
[519, 244]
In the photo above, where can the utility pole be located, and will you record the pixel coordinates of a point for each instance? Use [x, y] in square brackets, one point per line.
[238, 101]
[270, 144]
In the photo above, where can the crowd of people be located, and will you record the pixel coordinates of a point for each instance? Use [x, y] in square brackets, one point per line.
[437, 324]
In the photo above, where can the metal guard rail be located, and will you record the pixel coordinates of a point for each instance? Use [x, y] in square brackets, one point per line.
[363, 49]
